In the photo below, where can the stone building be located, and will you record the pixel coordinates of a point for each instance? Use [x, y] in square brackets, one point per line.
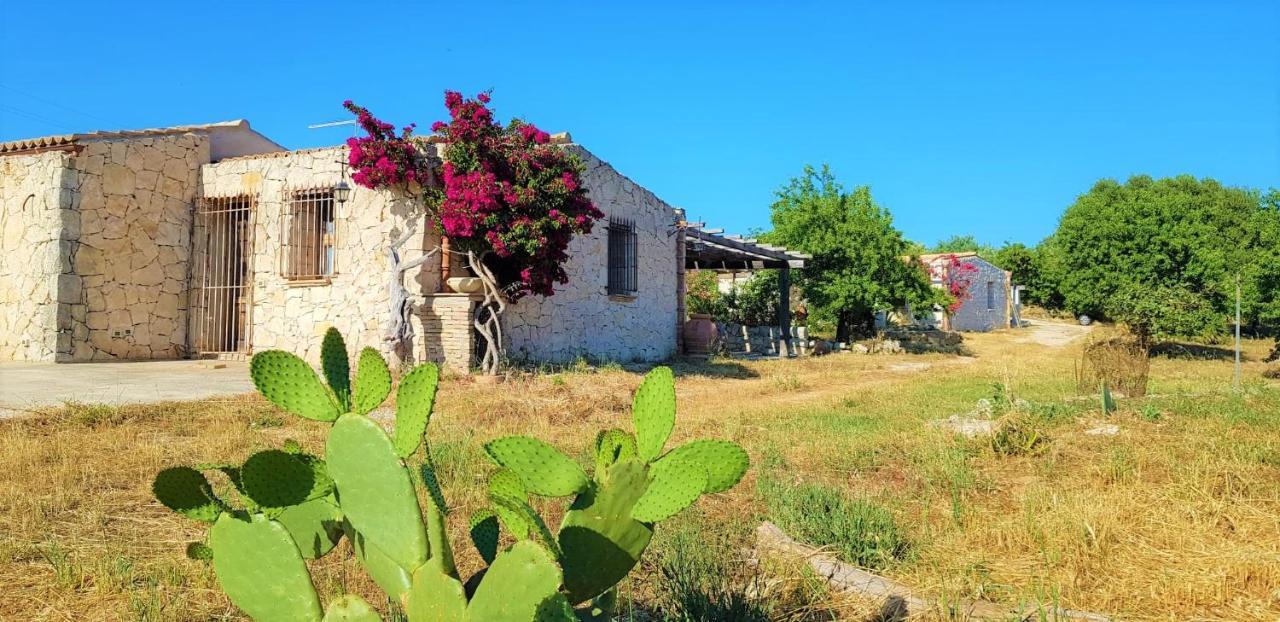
[212, 240]
[989, 305]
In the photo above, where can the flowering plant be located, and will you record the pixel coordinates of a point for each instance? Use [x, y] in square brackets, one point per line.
[380, 159]
[510, 195]
[957, 276]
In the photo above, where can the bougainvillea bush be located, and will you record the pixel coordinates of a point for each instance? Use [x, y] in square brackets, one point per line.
[380, 159]
[509, 191]
[957, 276]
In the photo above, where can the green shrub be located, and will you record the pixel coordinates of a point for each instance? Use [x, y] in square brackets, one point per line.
[1017, 435]
[702, 579]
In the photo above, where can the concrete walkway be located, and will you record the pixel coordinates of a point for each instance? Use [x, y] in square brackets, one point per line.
[24, 386]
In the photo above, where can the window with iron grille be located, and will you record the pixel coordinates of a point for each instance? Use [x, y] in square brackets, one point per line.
[624, 265]
[308, 230]
[991, 295]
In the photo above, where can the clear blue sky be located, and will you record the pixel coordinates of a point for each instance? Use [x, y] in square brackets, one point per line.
[985, 118]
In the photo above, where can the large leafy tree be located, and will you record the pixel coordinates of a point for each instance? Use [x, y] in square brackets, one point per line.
[962, 244]
[1164, 255]
[857, 266]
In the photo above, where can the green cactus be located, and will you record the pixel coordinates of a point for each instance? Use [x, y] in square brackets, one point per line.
[613, 446]
[653, 410]
[505, 482]
[186, 491]
[599, 540]
[275, 479]
[375, 489]
[291, 384]
[261, 570]
[436, 596]
[673, 486]
[372, 384]
[543, 469]
[414, 400]
[484, 533]
[299, 506]
[351, 608]
[316, 526]
[517, 586]
[1108, 402]
[336, 366]
[724, 462]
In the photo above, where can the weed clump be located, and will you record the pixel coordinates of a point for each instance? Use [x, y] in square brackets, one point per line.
[858, 530]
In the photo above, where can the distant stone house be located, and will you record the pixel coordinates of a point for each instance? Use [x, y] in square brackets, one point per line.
[988, 305]
[213, 240]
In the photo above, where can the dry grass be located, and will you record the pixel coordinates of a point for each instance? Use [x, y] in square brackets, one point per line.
[1176, 517]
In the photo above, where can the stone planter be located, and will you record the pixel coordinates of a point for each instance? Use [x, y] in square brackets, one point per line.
[466, 284]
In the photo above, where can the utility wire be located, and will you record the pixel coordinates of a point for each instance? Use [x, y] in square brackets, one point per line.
[95, 118]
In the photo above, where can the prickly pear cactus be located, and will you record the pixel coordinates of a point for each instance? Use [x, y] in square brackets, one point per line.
[294, 506]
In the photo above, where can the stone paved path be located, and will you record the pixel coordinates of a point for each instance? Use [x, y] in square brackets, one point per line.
[24, 386]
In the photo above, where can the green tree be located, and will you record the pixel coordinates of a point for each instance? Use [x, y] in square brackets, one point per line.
[963, 244]
[858, 262]
[1163, 256]
[1029, 267]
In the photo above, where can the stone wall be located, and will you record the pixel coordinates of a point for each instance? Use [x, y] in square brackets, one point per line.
[974, 314]
[132, 252]
[36, 199]
[292, 315]
[754, 339]
[581, 319]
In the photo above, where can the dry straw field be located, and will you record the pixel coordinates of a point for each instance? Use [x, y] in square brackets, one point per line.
[1176, 516]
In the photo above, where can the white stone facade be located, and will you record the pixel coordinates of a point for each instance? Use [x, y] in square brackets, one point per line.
[35, 197]
[581, 319]
[104, 245]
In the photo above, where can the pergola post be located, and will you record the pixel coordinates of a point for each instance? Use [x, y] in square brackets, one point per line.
[785, 347]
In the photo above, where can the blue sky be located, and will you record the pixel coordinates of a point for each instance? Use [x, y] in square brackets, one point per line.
[963, 117]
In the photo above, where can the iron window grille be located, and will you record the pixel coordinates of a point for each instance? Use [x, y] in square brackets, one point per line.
[624, 265]
[991, 295]
[223, 274]
[309, 235]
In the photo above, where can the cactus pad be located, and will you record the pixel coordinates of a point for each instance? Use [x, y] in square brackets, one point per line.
[516, 585]
[393, 579]
[436, 597]
[724, 461]
[336, 366]
[199, 551]
[505, 482]
[613, 446]
[654, 412]
[186, 491]
[484, 533]
[520, 507]
[288, 382]
[372, 384]
[316, 526]
[543, 469]
[260, 569]
[375, 490]
[351, 608]
[599, 540]
[414, 400]
[277, 479]
[673, 486]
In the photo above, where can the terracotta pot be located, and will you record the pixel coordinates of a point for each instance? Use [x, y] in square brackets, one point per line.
[700, 334]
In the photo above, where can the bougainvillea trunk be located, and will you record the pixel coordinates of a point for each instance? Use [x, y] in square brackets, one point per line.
[488, 317]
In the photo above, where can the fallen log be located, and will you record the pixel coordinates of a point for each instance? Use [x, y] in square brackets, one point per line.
[897, 601]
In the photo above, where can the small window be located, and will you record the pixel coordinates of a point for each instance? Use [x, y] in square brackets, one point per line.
[308, 233]
[624, 268]
[991, 295]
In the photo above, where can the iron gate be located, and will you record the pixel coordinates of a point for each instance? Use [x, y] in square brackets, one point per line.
[223, 279]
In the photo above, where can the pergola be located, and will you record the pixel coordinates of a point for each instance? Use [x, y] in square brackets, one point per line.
[710, 249]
